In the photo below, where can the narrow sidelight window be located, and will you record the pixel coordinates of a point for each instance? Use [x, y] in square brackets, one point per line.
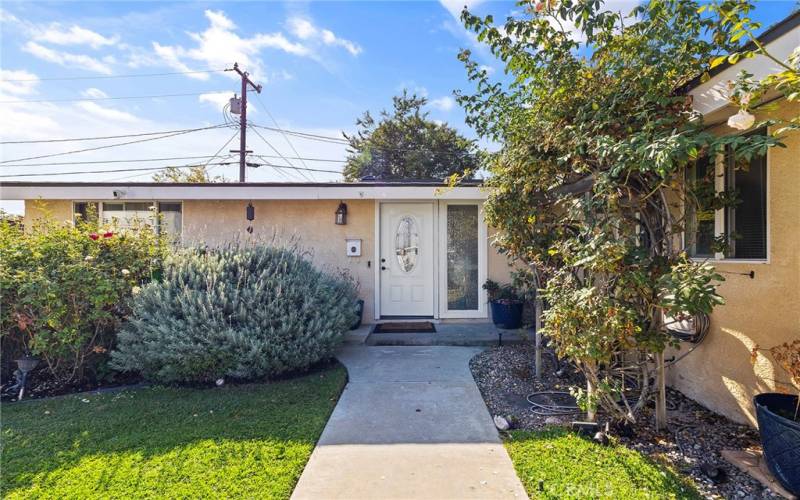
[462, 258]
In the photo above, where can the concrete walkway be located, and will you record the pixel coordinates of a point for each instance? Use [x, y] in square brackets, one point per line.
[411, 423]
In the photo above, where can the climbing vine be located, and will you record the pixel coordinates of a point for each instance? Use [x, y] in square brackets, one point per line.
[588, 188]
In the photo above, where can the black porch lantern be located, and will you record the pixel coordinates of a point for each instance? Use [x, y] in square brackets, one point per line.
[341, 214]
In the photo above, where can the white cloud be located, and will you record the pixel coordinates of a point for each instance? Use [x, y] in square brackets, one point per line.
[219, 44]
[219, 100]
[26, 87]
[68, 59]
[488, 69]
[7, 17]
[304, 29]
[106, 113]
[94, 93]
[74, 35]
[445, 103]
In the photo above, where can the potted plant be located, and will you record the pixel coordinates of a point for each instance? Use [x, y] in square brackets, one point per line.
[506, 302]
[778, 418]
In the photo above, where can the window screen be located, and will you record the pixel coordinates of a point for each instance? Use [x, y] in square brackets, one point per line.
[746, 222]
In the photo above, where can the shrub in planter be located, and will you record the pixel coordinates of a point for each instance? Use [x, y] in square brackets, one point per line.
[507, 302]
[65, 291]
[245, 312]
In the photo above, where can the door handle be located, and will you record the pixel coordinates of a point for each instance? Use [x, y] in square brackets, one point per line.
[383, 260]
[383, 268]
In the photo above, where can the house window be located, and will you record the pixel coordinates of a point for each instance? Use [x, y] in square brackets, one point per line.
[131, 214]
[86, 211]
[700, 215]
[463, 285]
[746, 222]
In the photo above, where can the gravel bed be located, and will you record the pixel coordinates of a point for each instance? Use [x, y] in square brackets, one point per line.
[696, 435]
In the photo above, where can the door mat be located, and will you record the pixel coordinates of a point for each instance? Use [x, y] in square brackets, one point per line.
[405, 327]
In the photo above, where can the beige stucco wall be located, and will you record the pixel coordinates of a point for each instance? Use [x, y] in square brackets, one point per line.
[764, 311]
[309, 222]
[60, 210]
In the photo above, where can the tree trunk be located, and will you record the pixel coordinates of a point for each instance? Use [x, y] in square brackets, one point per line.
[661, 397]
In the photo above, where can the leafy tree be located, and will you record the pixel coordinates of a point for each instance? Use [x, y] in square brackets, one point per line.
[589, 188]
[193, 175]
[406, 144]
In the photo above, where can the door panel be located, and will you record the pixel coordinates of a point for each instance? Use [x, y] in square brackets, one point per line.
[406, 250]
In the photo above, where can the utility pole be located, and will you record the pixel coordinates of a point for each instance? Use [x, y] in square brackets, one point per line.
[243, 120]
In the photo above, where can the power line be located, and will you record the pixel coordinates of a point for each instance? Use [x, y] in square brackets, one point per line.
[77, 172]
[150, 169]
[140, 160]
[113, 98]
[334, 140]
[111, 145]
[105, 77]
[97, 162]
[267, 164]
[277, 152]
[285, 136]
[220, 149]
[99, 138]
[306, 135]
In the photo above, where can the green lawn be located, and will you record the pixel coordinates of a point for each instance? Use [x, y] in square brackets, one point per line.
[247, 441]
[559, 464]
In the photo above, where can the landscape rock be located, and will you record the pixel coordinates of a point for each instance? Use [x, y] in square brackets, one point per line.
[501, 423]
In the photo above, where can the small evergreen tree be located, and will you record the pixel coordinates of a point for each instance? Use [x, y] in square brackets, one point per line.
[246, 312]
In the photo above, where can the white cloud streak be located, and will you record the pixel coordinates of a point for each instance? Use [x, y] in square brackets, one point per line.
[68, 59]
[74, 35]
[304, 29]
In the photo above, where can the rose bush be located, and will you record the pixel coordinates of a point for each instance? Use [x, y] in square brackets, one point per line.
[65, 290]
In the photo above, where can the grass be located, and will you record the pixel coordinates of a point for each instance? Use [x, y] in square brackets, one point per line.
[556, 463]
[246, 441]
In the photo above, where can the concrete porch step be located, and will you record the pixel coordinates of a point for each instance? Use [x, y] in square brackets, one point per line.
[447, 334]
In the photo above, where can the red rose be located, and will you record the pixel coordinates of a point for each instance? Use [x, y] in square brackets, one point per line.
[94, 236]
[108, 234]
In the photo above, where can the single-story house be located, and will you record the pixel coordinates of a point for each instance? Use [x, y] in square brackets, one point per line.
[416, 249]
[423, 250]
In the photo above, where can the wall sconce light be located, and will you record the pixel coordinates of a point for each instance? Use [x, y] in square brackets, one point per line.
[341, 214]
[251, 215]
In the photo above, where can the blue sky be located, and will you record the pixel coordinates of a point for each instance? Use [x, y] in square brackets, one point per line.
[321, 64]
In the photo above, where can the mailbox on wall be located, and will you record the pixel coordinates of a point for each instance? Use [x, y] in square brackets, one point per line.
[354, 248]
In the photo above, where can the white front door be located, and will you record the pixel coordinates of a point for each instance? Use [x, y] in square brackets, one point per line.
[406, 259]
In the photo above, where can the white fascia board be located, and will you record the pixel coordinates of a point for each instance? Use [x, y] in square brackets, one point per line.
[167, 192]
[704, 99]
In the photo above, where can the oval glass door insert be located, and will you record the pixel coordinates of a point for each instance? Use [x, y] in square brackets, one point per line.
[406, 243]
